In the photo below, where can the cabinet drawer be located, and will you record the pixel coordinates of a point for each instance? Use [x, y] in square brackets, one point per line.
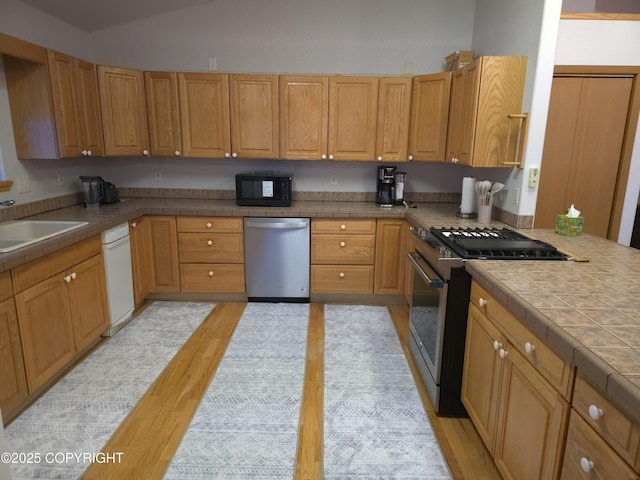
[614, 426]
[341, 279]
[584, 445]
[214, 278]
[6, 288]
[211, 247]
[344, 226]
[343, 249]
[210, 224]
[551, 366]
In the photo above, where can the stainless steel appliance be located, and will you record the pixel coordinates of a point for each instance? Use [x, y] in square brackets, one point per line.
[277, 259]
[264, 189]
[440, 299]
[96, 191]
[386, 189]
[401, 180]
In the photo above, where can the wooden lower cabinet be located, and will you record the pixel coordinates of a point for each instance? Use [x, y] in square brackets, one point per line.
[141, 262]
[163, 240]
[390, 257]
[214, 278]
[12, 375]
[520, 417]
[341, 278]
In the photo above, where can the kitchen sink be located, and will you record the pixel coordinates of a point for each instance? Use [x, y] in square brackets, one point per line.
[20, 233]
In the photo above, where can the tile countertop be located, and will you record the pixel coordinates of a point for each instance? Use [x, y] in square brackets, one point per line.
[587, 312]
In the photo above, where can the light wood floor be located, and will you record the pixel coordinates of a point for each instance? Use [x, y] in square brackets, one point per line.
[150, 435]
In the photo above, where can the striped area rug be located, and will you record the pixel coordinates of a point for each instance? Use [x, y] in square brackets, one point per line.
[81, 412]
[246, 425]
[375, 425]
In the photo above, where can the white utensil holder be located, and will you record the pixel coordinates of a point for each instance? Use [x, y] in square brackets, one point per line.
[484, 213]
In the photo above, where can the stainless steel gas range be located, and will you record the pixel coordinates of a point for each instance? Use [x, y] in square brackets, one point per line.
[440, 300]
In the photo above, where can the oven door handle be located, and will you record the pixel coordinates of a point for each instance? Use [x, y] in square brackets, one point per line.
[425, 270]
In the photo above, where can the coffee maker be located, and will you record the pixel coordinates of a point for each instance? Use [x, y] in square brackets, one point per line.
[386, 193]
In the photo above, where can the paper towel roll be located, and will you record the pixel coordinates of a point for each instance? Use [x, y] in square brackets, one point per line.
[467, 205]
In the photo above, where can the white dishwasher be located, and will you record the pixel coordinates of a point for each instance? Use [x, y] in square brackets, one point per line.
[116, 249]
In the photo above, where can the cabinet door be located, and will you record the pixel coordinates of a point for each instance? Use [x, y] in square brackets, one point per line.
[394, 107]
[429, 117]
[532, 419]
[12, 375]
[254, 116]
[140, 258]
[44, 316]
[89, 108]
[161, 89]
[481, 374]
[88, 301]
[204, 114]
[462, 113]
[163, 239]
[124, 116]
[353, 115]
[304, 117]
[65, 104]
[390, 256]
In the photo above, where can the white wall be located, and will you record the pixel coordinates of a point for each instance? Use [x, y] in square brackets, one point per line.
[600, 42]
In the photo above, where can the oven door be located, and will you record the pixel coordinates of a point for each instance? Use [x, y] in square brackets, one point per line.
[427, 315]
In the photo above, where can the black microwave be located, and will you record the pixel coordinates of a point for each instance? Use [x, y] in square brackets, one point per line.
[264, 189]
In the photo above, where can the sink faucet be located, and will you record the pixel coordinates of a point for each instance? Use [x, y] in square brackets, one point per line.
[7, 203]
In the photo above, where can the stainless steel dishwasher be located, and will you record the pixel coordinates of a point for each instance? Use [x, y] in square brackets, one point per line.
[276, 253]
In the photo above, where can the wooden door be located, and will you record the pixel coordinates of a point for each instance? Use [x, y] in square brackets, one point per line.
[163, 239]
[394, 108]
[204, 114]
[582, 151]
[254, 116]
[163, 115]
[124, 114]
[140, 258]
[467, 126]
[46, 331]
[65, 104]
[429, 117]
[353, 114]
[532, 419]
[88, 301]
[390, 257]
[481, 374]
[89, 108]
[12, 374]
[304, 117]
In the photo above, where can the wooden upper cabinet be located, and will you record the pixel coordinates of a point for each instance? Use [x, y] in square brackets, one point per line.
[304, 116]
[163, 115]
[124, 115]
[394, 107]
[353, 116]
[254, 116]
[89, 105]
[429, 117]
[204, 114]
[483, 95]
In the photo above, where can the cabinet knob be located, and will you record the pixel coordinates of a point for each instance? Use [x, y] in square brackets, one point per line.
[380, 158]
[209, 242]
[586, 465]
[133, 225]
[208, 224]
[330, 157]
[234, 154]
[410, 157]
[595, 412]
[503, 353]
[324, 157]
[343, 227]
[529, 348]
[73, 276]
[145, 153]
[482, 302]
[67, 278]
[89, 152]
[342, 244]
[497, 345]
[227, 155]
[454, 160]
[177, 153]
[84, 152]
[210, 273]
[341, 275]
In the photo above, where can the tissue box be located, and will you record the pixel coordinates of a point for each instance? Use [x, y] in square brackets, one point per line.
[568, 226]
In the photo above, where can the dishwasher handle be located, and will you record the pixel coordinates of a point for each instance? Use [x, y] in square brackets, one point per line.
[300, 224]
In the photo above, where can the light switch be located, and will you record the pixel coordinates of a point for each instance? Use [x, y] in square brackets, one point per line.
[534, 177]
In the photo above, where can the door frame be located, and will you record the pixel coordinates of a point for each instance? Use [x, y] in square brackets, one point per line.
[629, 132]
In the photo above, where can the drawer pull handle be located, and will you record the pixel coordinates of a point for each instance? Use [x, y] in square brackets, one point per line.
[210, 273]
[529, 348]
[595, 412]
[586, 465]
[482, 302]
[497, 345]
[208, 224]
[341, 275]
[342, 244]
[503, 353]
[209, 242]
[343, 227]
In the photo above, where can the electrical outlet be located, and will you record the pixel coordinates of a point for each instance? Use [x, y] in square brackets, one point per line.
[534, 177]
[213, 64]
[60, 180]
[158, 175]
[334, 179]
[24, 185]
[516, 196]
[408, 68]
